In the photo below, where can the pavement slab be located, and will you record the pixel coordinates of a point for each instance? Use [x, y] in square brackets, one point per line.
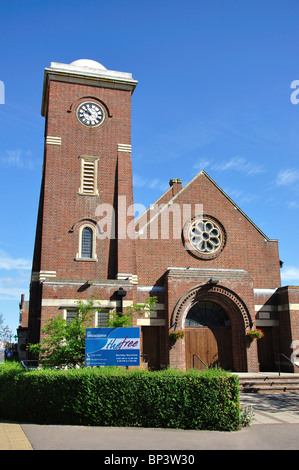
[12, 437]
[276, 408]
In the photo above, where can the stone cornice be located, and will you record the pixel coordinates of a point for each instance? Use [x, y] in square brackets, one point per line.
[73, 73]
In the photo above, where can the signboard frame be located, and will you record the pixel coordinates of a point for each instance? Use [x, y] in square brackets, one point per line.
[112, 347]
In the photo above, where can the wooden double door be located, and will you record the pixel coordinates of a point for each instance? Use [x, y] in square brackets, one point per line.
[213, 345]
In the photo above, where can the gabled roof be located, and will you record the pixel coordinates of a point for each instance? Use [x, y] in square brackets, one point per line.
[171, 201]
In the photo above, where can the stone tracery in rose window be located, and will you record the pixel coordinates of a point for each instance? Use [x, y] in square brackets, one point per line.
[205, 236]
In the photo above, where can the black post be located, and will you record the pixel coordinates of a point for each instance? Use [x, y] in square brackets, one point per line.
[121, 293]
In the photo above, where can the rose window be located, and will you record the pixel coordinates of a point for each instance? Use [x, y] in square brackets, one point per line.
[205, 236]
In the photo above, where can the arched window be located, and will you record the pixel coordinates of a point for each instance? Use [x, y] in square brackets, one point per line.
[87, 243]
[207, 313]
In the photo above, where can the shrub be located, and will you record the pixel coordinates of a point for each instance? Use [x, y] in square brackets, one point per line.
[117, 397]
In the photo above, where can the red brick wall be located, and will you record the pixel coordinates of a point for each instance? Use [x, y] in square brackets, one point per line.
[252, 261]
[245, 247]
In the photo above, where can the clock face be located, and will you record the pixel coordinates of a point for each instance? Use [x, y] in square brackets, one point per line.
[90, 114]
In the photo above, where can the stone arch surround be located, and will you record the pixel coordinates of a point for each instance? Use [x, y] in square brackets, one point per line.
[216, 293]
[232, 304]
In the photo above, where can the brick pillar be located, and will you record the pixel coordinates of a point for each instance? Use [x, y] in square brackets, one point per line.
[252, 356]
[288, 308]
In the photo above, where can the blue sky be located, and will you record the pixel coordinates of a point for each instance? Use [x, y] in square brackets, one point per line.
[214, 93]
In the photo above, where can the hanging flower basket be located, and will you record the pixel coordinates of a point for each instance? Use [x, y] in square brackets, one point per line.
[175, 335]
[255, 334]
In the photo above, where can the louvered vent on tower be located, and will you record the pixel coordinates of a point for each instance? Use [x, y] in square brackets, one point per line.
[89, 166]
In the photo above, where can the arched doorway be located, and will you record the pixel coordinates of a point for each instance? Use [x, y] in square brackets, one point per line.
[208, 336]
[244, 358]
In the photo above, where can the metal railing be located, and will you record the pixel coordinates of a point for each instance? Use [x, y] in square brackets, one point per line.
[196, 355]
[29, 364]
[279, 362]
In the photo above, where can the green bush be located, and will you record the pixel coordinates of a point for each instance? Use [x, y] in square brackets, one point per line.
[117, 397]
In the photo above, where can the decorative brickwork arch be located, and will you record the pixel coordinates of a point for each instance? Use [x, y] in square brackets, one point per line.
[231, 303]
[224, 296]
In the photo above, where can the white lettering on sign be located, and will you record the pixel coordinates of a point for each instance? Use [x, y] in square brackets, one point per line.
[122, 343]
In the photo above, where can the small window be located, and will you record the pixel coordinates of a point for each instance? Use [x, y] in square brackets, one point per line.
[89, 170]
[70, 315]
[102, 318]
[87, 244]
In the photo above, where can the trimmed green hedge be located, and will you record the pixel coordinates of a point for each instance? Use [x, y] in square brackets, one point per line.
[115, 397]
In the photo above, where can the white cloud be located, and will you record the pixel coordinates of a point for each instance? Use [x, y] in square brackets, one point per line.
[235, 164]
[18, 159]
[202, 164]
[293, 205]
[240, 196]
[8, 263]
[140, 182]
[287, 177]
[290, 273]
[11, 288]
[239, 164]
[12, 293]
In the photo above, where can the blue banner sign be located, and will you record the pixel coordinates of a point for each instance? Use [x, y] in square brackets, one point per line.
[112, 347]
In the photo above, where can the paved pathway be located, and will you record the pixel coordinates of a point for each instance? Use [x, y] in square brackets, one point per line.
[12, 437]
[273, 408]
[281, 409]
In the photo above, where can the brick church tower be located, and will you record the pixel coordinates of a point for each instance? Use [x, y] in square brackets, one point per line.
[86, 171]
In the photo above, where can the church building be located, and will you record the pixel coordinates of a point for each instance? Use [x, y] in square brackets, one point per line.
[215, 274]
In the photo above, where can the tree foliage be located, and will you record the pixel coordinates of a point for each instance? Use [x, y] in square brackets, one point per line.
[63, 342]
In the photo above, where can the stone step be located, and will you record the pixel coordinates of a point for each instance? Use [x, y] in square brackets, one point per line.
[269, 380]
[256, 388]
[268, 383]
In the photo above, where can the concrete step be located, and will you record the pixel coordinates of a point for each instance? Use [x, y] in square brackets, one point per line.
[268, 383]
